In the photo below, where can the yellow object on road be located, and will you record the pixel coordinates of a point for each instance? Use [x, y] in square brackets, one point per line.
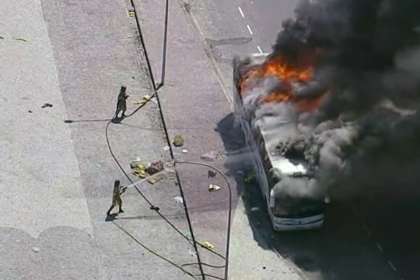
[208, 245]
[20, 39]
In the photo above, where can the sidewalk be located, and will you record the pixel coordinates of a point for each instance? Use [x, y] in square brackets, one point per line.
[57, 176]
[193, 105]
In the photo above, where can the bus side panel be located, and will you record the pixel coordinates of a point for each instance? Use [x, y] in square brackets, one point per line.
[251, 136]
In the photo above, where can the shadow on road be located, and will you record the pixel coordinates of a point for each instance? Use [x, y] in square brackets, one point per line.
[342, 249]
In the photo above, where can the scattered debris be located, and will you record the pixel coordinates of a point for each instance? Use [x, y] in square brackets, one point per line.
[135, 162]
[154, 180]
[142, 101]
[211, 174]
[20, 39]
[179, 200]
[98, 165]
[47, 105]
[210, 156]
[29, 111]
[192, 253]
[207, 245]
[213, 188]
[139, 168]
[154, 167]
[36, 249]
[166, 148]
[1, 37]
[184, 151]
[131, 12]
[152, 172]
[250, 178]
[255, 209]
[178, 141]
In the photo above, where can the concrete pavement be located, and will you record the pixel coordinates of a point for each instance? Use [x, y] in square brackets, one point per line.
[57, 176]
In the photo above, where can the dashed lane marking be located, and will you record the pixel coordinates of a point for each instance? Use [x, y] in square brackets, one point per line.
[249, 29]
[392, 266]
[241, 12]
[379, 247]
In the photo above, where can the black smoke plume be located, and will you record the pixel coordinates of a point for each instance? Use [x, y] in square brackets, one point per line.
[366, 132]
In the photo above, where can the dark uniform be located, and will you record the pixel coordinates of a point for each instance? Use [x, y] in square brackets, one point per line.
[116, 197]
[122, 102]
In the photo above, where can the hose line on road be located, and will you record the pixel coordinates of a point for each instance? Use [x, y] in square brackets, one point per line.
[156, 209]
[229, 211]
[153, 207]
[155, 253]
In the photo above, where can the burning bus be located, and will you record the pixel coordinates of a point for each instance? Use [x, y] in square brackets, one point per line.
[283, 174]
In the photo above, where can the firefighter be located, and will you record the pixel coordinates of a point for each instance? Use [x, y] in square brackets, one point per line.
[122, 102]
[116, 197]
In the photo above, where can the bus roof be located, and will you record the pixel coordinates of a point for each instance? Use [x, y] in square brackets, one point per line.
[269, 127]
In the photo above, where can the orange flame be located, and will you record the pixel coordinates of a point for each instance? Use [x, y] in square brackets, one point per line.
[286, 73]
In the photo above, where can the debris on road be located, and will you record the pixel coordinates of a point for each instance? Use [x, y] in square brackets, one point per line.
[178, 141]
[207, 245]
[154, 179]
[29, 111]
[152, 172]
[255, 209]
[139, 168]
[131, 12]
[20, 39]
[211, 174]
[170, 163]
[135, 162]
[166, 148]
[47, 105]
[213, 188]
[35, 249]
[1, 37]
[184, 151]
[179, 199]
[154, 167]
[192, 253]
[211, 156]
[142, 101]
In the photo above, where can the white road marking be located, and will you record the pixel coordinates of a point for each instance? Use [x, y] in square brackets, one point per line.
[366, 229]
[241, 12]
[249, 29]
[392, 266]
[379, 247]
[259, 49]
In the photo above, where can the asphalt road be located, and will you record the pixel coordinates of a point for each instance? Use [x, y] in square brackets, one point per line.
[57, 173]
[372, 237]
